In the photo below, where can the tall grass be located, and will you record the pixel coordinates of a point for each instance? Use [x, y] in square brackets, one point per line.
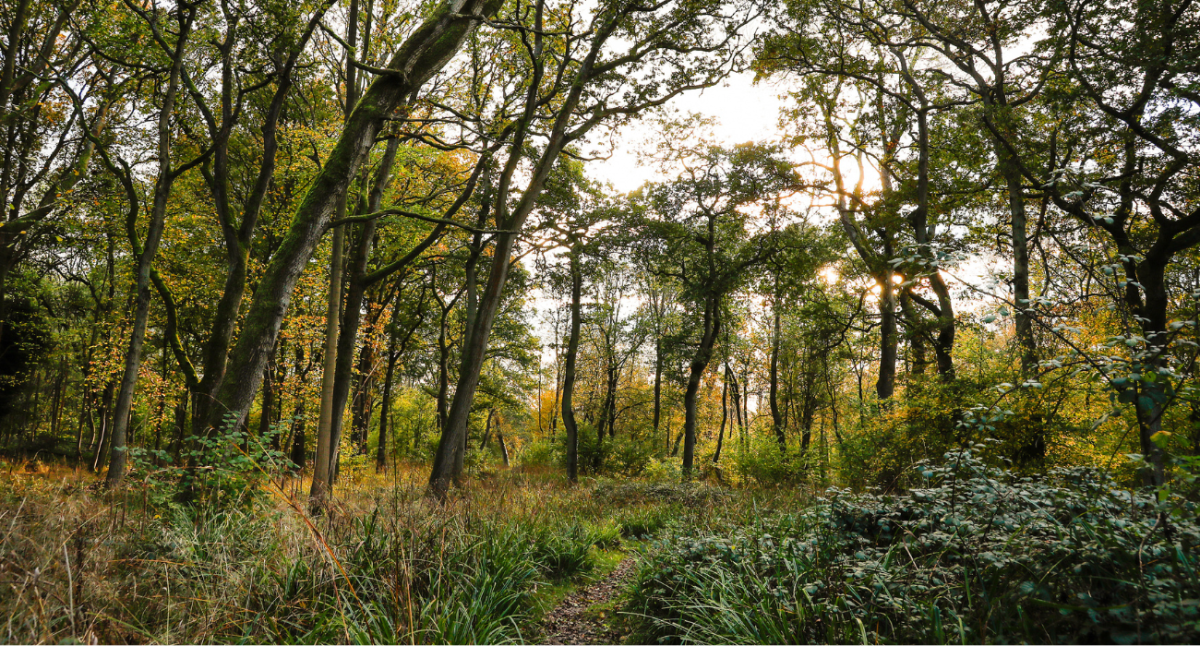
[384, 564]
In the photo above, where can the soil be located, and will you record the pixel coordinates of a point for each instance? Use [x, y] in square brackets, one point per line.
[584, 616]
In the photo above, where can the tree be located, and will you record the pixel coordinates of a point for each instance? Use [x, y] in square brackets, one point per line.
[697, 230]
[425, 51]
[1123, 164]
[184, 17]
[43, 152]
[621, 60]
[570, 216]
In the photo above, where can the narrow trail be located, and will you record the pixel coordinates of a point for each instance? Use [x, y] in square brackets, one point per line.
[578, 620]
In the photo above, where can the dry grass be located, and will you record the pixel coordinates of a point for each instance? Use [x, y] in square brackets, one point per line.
[383, 564]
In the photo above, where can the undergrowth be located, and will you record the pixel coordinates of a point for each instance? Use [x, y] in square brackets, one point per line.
[977, 555]
[383, 565]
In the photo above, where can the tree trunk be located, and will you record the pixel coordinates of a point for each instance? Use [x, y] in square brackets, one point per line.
[323, 463]
[329, 422]
[362, 400]
[145, 259]
[445, 465]
[487, 429]
[711, 327]
[352, 317]
[503, 446]
[605, 411]
[1152, 399]
[443, 393]
[268, 403]
[238, 236]
[916, 336]
[447, 459]
[103, 440]
[299, 452]
[614, 379]
[385, 407]
[658, 367]
[943, 344]
[423, 53]
[297, 448]
[179, 426]
[568, 407]
[735, 399]
[885, 386]
[1020, 280]
[808, 412]
[776, 414]
[724, 416]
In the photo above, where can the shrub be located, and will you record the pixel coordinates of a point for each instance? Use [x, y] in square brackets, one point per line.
[628, 455]
[978, 555]
[666, 469]
[542, 455]
[644, 521]
[762, 463]
[936, 417]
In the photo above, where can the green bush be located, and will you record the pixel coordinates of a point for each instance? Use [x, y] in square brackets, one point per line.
[977, 555]
[629, 456]
[666, 469]
[936, 417]
[644, 521]
[761, 462]
[542, 455]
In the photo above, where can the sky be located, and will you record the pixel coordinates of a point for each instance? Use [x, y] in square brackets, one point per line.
[743, 112]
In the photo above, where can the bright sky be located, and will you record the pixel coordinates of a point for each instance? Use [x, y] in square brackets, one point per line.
[744, 112]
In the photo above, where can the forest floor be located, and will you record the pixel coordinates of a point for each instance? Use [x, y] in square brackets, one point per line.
[514, 556]
[524, 557]
[587, 615]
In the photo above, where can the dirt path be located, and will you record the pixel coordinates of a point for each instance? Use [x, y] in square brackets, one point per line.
[577, 620]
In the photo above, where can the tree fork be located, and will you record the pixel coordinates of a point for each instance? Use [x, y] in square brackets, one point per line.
[425, 52]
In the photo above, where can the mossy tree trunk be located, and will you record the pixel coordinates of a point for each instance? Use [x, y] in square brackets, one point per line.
[425, 52]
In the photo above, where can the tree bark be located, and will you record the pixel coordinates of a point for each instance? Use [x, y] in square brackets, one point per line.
[268, 403]
[711, 327]
[724, 415]
[487, 429]
[943, 344]
[445, 465]
[776, 413]
[885, 385]
[329, 422]
[916, 335]
[658, 366]
[237, 238]
[1020, 280]
[425, 52]
[323, 462]
[1152, 399]
[145, 259]
[385, 407]
[568, 396]
[503, 446]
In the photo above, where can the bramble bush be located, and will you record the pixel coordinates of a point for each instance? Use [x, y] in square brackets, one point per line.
[977, 554]
[938, 417]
